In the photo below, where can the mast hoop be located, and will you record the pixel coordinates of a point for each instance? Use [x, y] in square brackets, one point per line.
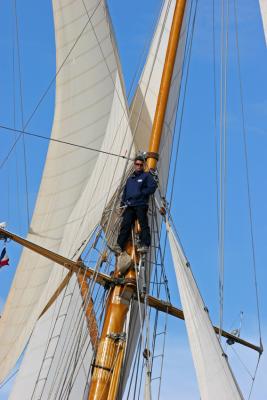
[152, 154]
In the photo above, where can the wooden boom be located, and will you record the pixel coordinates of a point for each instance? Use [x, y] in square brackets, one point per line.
[105, 280]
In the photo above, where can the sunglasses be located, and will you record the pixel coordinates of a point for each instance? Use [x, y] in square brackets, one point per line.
[139, 164]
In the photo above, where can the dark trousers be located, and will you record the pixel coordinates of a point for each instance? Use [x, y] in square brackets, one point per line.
[129, 216]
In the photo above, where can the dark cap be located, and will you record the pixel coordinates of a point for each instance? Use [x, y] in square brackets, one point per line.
[140, 158]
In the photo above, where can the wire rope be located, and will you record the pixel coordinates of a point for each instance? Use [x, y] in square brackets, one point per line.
[223, 154]
[190, 41]
[215, 115]
[9, 378]
[244, 131]
[43, 96]
[22, 110]
[39, 136]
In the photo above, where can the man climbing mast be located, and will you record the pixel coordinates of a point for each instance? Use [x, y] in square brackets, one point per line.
[138, 188]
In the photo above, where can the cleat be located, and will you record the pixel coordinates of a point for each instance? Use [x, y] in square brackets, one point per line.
[143, 249]
[115, 249]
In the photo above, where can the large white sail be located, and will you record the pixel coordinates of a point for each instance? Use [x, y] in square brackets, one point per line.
[215, 378]
[263, 8]
[90, 110]
[50, 368]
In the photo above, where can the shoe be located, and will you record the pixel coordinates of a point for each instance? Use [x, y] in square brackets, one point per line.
[143, 249]
[115, 248]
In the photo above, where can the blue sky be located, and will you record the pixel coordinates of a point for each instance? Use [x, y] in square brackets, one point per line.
[194, 207]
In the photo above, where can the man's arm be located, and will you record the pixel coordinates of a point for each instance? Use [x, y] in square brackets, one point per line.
[123, 197]
[151, 185]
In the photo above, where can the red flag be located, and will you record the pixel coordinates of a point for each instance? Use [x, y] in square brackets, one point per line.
[4, 259]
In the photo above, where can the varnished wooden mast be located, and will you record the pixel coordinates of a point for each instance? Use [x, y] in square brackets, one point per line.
[109, 357]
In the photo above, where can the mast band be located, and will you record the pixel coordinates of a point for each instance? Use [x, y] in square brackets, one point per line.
[102, 367]
[152, 154]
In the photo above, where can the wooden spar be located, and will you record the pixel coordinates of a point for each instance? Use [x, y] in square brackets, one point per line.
[106, 280]
[74, 266]
[108, 364]
[88, 308]
[176, 312]
[53, 298]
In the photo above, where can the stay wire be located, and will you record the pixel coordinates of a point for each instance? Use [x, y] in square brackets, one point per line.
[9, 378]
[215, 114]
[254, 377]
[244, 130]
[39, 136]
[190, 42]
[43, 96]
[223, 154]
[22, 110]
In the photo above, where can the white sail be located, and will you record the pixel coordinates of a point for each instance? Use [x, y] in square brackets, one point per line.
[57, 370]
[90, 111]
[263, 8]
[215, 378]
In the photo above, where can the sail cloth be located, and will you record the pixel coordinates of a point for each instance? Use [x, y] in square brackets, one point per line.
[215, 378]
[263, 8]
[59, 374]
[90, 109]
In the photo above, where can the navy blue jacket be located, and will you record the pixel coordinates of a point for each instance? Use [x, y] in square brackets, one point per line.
[138, 188]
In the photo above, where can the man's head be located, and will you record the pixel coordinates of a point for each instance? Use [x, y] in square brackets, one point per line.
[139, 164]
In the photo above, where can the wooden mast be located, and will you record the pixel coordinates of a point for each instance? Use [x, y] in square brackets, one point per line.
[109, 356]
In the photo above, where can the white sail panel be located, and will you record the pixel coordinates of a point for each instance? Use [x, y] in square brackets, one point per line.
[52, 373]
[85, 89]
[145, 100]
[215, 378]
[263, 8]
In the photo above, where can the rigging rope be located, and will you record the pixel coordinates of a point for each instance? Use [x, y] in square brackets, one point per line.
[9, 378]
[223, 153]
[189, 41]
[215, 116]
[50, 84]
[22, 110]
[244, 131]
[61, 142]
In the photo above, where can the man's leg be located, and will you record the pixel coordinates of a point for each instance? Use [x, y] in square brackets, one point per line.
[141, 213]
[126, 225]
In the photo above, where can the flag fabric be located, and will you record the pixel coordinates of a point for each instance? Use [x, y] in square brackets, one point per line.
[4, 260]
